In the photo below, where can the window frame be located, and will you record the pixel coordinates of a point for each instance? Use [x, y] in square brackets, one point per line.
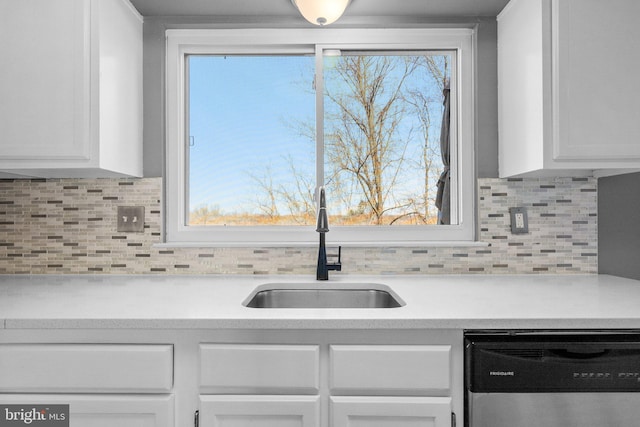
[180, 43]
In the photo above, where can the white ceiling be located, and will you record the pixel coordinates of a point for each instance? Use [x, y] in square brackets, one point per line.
[254, 8]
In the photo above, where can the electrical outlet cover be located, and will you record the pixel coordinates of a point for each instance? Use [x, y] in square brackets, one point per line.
[519, 220]
[131, 219]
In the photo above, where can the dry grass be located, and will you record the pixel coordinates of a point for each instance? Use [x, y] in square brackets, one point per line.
[290, 220]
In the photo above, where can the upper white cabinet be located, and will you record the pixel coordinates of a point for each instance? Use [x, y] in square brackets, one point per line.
[70, 88]
[568, 87]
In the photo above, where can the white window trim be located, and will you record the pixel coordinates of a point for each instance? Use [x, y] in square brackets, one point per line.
[181, 43]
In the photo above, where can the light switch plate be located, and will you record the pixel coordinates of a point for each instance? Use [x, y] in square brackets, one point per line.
[131, 219]
[519, 220]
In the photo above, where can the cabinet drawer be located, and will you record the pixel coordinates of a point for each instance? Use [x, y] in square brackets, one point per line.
[86, 368]
[260, 411]
[99, 410]
[390, 369]
[255, 369]
[390, 411]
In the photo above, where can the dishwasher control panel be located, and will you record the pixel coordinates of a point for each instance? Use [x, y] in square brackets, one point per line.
[528, 362]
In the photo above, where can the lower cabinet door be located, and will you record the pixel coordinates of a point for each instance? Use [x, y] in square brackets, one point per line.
[390, 411]
[259, 411]
[104, 410]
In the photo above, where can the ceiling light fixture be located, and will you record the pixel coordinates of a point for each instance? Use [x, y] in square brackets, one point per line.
[321, 12]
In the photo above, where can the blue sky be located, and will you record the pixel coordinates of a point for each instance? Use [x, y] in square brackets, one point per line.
[243, 111]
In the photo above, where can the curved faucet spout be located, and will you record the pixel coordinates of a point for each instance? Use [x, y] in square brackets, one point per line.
[322, 223]
[322, 227]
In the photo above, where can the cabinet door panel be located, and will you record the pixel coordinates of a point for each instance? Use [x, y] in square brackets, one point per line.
[259, 411]
[521, 123]
[106, 411]
[391, 411]
[595, 85]
[44, 80]
[391, 369]
[86, 368]
[259, 369]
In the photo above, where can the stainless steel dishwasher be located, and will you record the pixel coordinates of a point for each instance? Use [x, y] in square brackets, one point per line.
[552, 379]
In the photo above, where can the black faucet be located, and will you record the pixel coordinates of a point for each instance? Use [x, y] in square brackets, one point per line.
[322, 227]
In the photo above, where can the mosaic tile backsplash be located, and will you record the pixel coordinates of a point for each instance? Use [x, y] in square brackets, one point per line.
[68, 226]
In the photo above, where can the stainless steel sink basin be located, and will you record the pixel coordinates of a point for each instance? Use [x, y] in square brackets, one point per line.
[311, 295]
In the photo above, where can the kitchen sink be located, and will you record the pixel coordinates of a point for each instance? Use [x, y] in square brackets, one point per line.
[312, 295]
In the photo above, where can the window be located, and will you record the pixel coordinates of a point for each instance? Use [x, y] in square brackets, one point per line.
[250, 153]
[257, 120]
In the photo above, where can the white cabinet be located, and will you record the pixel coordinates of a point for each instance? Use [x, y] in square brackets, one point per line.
[259, 411]
[346, 385]
[105, 410]
[86, 368]
[390, 385]
[390, 411]
[390, 369]
[259, 369]
[127, 385]
[567, 87]
[261, 385]
[237, 377]
[70, 88]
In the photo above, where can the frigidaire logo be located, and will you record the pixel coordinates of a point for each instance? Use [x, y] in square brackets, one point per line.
[501, 373]
[34, 415]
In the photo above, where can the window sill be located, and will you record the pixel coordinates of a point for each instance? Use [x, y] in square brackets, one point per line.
[418, 244]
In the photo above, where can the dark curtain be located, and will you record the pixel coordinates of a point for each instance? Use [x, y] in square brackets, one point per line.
[443, 200]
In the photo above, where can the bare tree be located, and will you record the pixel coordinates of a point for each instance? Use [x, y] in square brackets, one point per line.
[289, 202]
[267, 196]
[367, 110]
[379, 111]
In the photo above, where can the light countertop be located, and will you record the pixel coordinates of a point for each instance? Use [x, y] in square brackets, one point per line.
[451, 301]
